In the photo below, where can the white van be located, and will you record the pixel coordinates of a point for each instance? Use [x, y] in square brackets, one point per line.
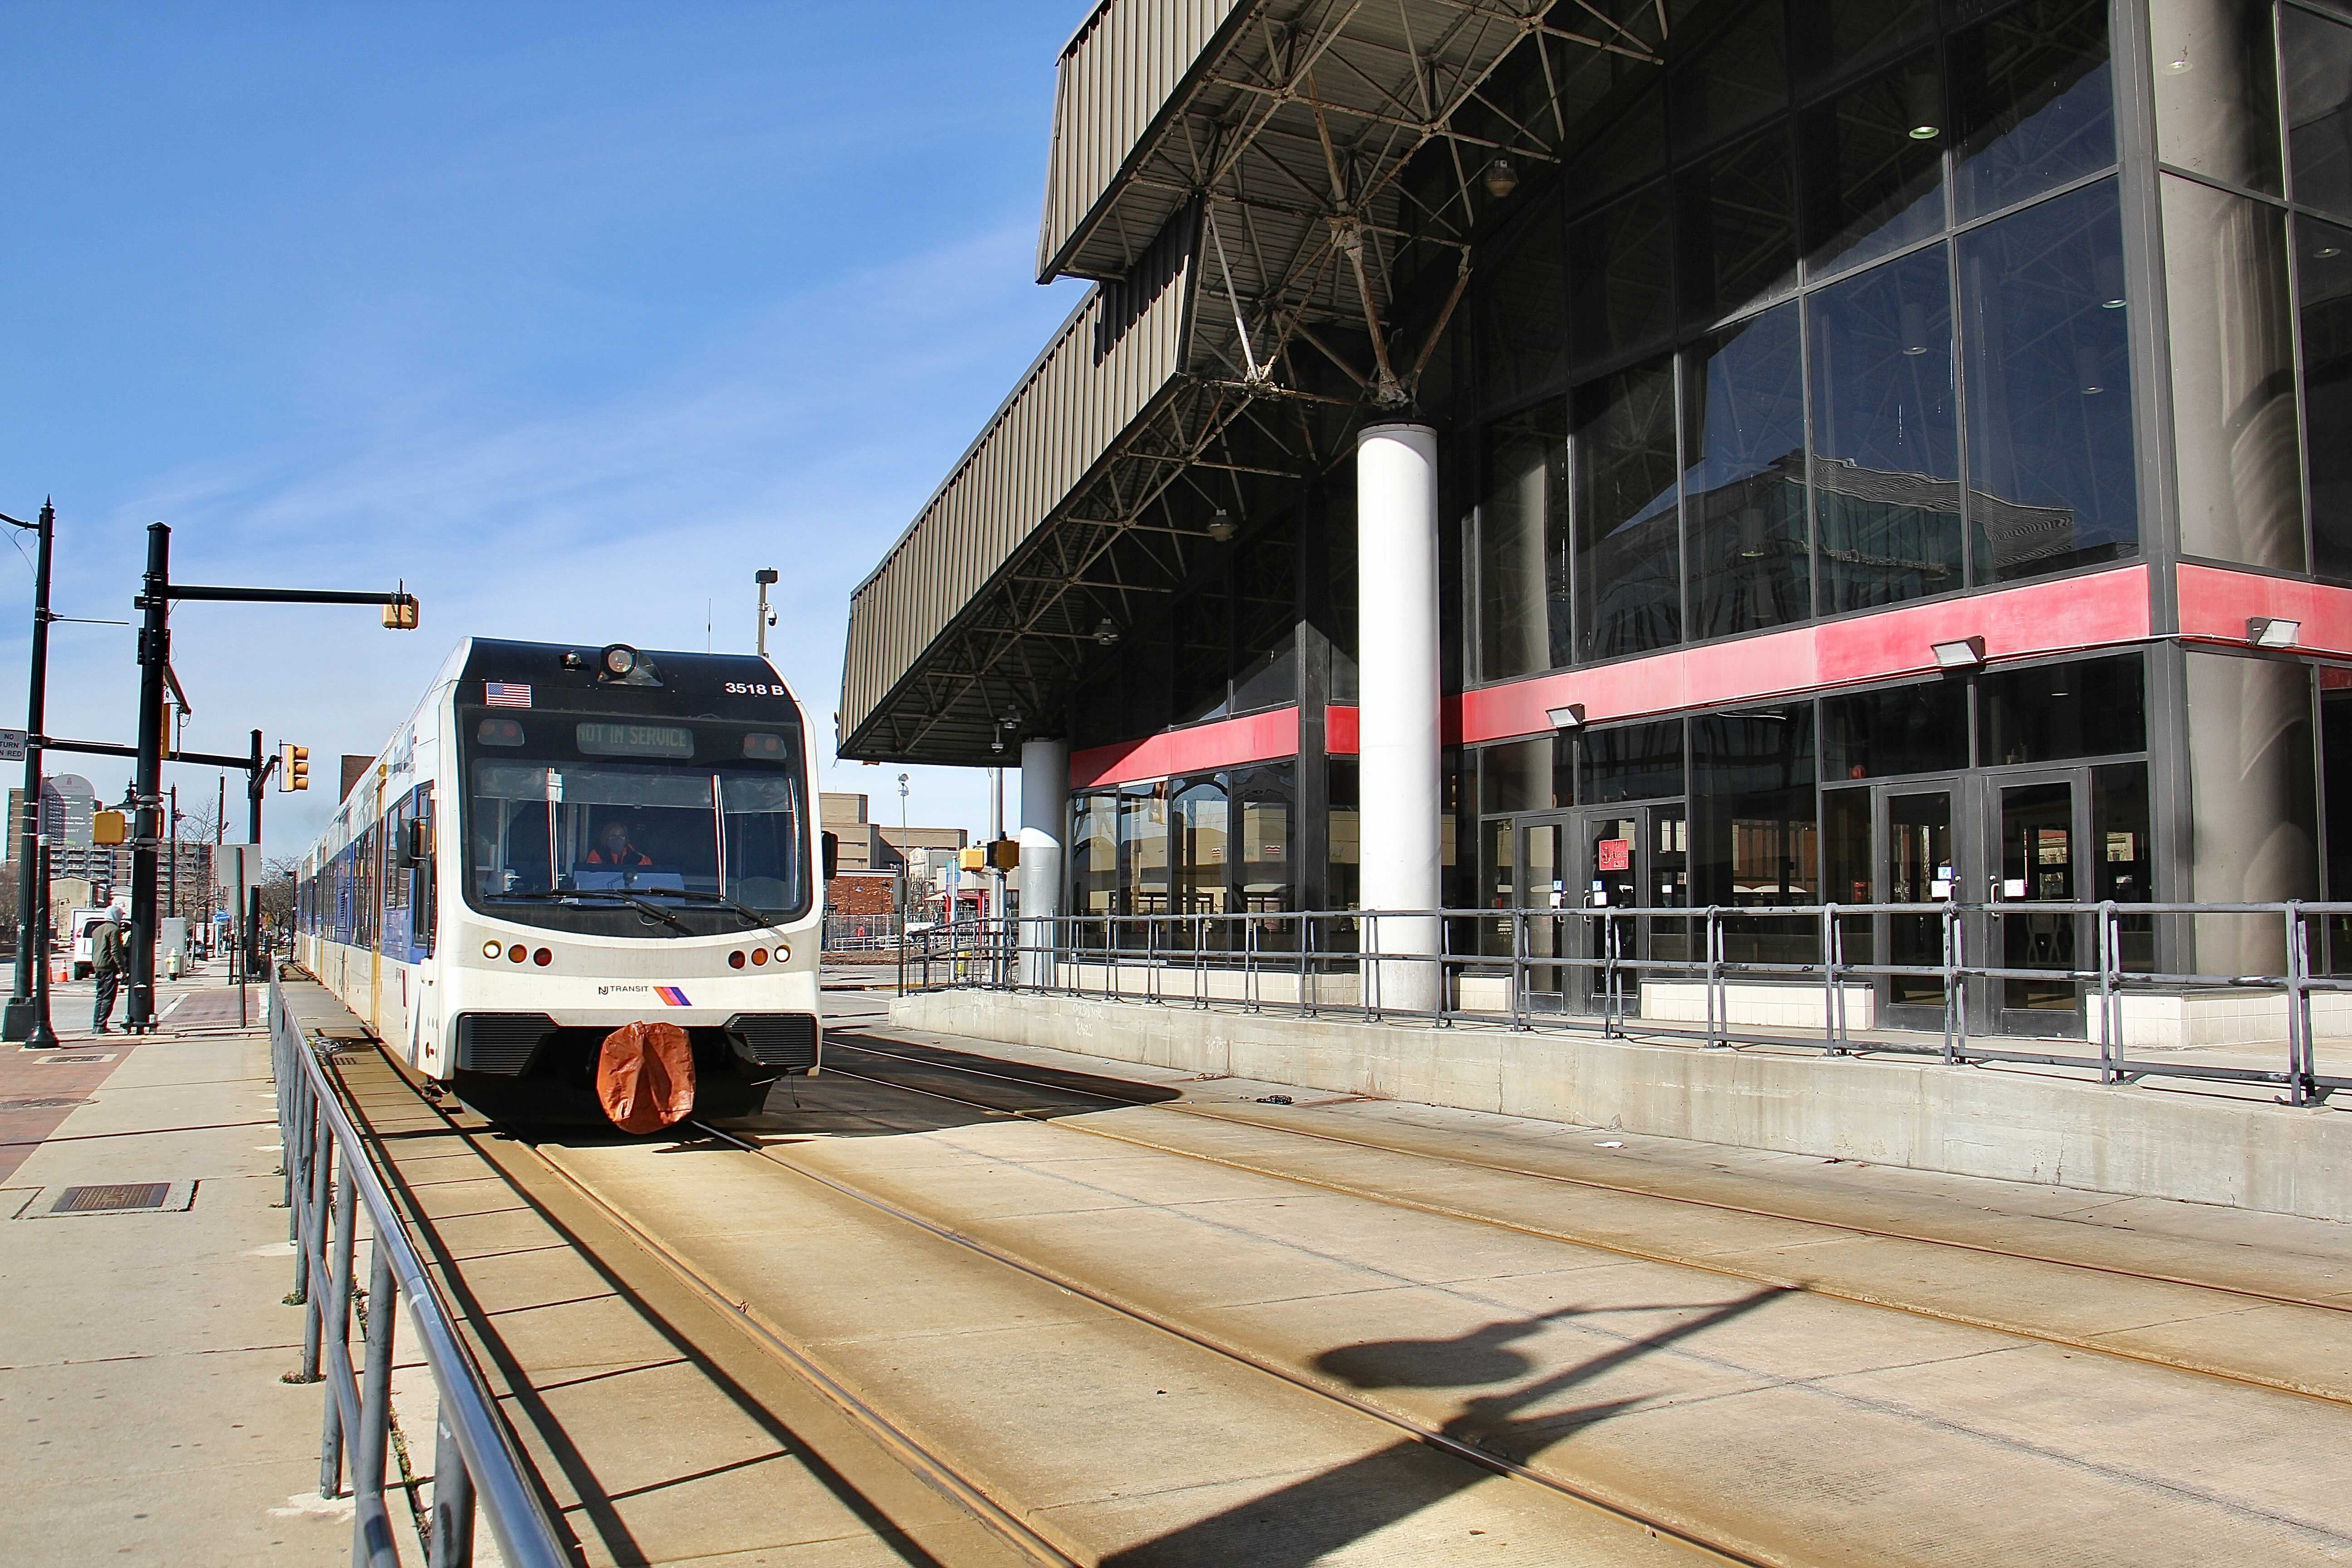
[83, 922]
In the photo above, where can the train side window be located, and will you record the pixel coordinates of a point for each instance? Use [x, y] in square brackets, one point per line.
[425, 908]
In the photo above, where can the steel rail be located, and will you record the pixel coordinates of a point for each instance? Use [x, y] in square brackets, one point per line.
[957, 1488]
[1418, 1431]
[320, 1135]
[1652, 1255]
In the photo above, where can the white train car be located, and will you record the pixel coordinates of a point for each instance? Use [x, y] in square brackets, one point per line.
[563, 840]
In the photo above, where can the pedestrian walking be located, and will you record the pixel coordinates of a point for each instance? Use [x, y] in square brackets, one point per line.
[108, 955]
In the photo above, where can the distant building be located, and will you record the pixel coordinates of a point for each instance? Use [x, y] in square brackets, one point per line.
[872, 855]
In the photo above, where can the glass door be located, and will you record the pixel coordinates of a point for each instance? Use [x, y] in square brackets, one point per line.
[2039, 828]
[1542, 886]
[1611, 876]
[1919, 851]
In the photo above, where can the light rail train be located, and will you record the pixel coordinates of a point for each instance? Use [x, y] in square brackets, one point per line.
[561, 840]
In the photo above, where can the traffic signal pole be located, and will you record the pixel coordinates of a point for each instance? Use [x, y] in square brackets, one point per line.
[27, 1015]
[157, 592]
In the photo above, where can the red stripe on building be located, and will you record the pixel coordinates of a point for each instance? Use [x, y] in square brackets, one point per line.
[1200, 748]
[1341, 735]
[2093, 611]
[2216, 604]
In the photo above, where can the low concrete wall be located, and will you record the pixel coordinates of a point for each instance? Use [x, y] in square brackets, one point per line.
[1970, 1122]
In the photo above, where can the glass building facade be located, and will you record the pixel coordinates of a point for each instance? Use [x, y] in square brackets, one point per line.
[1840, 329]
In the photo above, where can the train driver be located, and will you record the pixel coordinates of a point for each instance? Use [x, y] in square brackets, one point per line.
[613, 848]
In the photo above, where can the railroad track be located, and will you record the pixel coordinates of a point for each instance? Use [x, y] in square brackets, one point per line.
[2221, 1297]
[1002, 1515]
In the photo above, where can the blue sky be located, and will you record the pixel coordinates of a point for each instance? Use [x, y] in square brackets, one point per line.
[570, 316]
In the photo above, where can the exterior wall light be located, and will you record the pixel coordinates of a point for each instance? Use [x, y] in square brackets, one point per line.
[2264, 632]
[1500, 178]
[1966, 654]
[1567, 717]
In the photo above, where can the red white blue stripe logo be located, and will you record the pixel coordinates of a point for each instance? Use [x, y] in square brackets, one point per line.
[507, 693]
[672, 997]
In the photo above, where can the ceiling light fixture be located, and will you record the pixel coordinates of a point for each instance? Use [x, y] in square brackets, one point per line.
[1221, 526]
[1500, 178]
[1106, 631]
[1921, 109]
[1966, 652]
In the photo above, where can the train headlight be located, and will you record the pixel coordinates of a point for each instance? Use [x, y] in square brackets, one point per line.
[782, 953]
[491, 950]
[620, 658]
[758, 955]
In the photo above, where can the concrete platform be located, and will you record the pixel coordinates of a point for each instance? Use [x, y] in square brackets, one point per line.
[142, 1420]
[2211, 1144]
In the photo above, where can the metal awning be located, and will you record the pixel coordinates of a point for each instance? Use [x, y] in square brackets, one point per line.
[1231, 173]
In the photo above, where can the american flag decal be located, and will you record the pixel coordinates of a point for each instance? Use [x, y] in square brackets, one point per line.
[506, 693]
[672, 996]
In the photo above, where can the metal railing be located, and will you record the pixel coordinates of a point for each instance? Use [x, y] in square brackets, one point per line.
[327, 1176]
[1586, 968]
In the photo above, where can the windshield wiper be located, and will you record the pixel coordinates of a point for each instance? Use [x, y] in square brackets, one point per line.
[635, 902]
[746, 910]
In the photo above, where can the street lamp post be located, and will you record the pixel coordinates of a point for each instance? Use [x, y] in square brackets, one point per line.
[157, 595]
[764, 577]
[27, 1015]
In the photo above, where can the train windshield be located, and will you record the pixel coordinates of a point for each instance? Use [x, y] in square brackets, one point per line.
[627, 827]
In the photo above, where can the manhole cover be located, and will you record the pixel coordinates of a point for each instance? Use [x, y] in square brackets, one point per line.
[38, 1104]
[67, 1061]
[119, 1197]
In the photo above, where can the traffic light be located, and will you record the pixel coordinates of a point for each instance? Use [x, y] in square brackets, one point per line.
[109, 828]
[400, 615]
[293, 766]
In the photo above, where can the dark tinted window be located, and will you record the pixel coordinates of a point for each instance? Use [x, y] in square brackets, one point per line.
[1621, 277]
[2051, 476]
[1738, 228]
[1632, 762]
[2323, 260]
[2032, 102]
[1905, 730]
[1628, 566]
[1744, 490]
[2087, 709]
[1735, 80]
[1870, 184]
[1753, 840]
[1885, 457]
[2318, 83]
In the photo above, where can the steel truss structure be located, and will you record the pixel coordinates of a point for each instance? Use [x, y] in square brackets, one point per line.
[1312, 283]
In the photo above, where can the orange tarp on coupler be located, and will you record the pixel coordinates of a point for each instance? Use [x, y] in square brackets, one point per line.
[645, 1077]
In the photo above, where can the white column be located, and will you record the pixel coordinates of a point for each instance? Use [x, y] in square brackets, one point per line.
[1044, 809]
[1396, 577]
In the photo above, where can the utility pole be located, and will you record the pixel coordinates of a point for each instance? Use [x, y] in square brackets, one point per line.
[764, 577]
[156, 593]
[28, 1017]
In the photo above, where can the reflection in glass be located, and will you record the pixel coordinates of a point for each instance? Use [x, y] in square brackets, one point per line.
[1628, 566]
[1738, 228]
[1204, 627]
[1846, 877]
[1522, 602]
[1142, 855]
[1735, 80]
[1621, 277]
[1921, 729]
[1196, 848]
[2217, 90]
[1344, 869]
[2032, 102]
[2051, 480]
[1744, 491]
[1873, 167]
[2317, 56]
[1632, 148]
[1885, 463]
[1833, 36]
[2323, 261]
[2238, 471]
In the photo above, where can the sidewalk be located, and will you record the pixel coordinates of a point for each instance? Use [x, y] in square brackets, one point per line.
[142, 1420]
